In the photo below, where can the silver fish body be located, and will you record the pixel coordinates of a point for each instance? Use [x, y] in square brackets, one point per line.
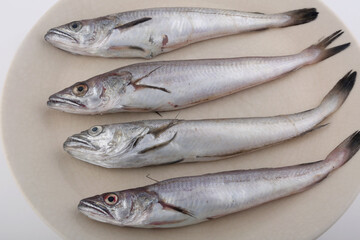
[156, 142]
[150, 32]
[167, 86]
[184, 201]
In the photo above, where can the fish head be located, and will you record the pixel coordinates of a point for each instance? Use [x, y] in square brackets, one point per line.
[124, 208]
[82, 98]
[108, 207]
[79, 37]
[105, 146]
[99, 94]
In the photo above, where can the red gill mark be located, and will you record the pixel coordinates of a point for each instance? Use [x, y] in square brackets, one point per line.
[165, 40]
[103, 92]
[173, 105]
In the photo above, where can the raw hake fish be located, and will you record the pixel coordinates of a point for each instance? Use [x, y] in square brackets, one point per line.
[173, 85]
[149, 32]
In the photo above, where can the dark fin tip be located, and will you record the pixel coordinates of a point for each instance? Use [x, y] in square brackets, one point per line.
[327, 53]
[328, 40]
[338, 49]
[345, 85]
[301, 16]
[354, 143]
[350, 144]
[341, 90]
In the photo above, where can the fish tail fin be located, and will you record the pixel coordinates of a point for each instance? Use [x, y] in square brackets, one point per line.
[319, 52]
[338, 94]
[300, 16]
[344, 152]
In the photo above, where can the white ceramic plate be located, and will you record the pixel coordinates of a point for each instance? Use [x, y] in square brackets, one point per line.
[54, 182]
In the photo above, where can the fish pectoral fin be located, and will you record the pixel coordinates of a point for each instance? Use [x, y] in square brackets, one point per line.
[176, 161]
[119, 48]
[170, 163]
[176, 208]
[157, 145]
[221, 156]
[159, 130]
[152, 87]
[137, 85]
[132, 23]
[165, 222]
[153, 141]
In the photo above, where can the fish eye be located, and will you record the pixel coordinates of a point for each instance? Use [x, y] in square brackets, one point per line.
[111, 199]
[96, 130]
[75, 26]
[80, 89]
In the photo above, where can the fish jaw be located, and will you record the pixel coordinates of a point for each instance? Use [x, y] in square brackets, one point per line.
[82, 149]
[81, 40]
[55, 36]
[69, 101]
[66, 104]
[64, 41]
[76, 142]
[92, 209]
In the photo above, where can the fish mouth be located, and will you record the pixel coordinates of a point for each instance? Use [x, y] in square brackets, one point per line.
[77, 142]
[61, 34]
[93, 210]
[55, 101]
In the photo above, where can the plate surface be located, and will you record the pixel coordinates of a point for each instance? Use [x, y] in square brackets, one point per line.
[54, 182]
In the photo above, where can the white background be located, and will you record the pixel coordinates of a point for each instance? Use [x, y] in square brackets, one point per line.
[18, 220]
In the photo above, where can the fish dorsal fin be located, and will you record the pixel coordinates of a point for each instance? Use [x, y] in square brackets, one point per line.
[133, 23]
